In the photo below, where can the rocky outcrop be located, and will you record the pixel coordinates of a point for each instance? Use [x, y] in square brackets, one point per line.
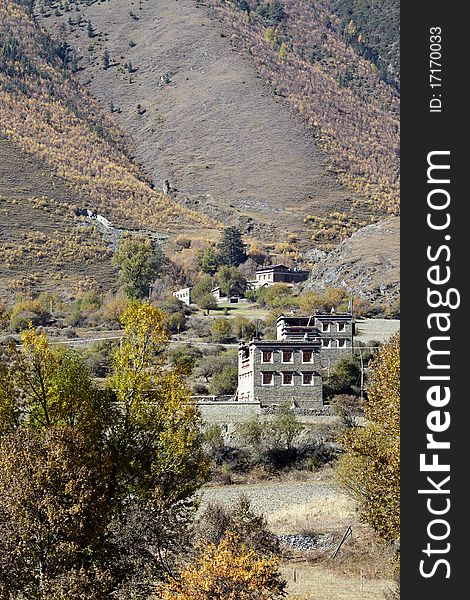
[367, 263]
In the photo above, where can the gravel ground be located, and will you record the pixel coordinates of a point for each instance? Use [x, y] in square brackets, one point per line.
[271, 497]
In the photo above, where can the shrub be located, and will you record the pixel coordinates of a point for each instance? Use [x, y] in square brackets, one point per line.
[175, 322]
[347, 407]
[224, 383]
[250, 526]
[20, 320]
[28, 311]
[221, 330]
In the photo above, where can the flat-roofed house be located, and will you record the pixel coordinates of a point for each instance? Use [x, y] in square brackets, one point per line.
[266, 276]
[290, 368]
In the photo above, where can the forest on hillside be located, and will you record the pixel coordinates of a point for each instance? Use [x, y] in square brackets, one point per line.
[378, 21]
[324, 71]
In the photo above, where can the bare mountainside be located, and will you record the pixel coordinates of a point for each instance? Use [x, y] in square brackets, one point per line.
[199, 115]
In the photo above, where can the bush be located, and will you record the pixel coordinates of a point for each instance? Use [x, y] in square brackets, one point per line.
[347, 407]
[199, 389]
[243, 328]
[214, 440]
[221, 330]
[28, 311]
[224, 383]
[112, 310]
[175, 322]
[184, 358]
[98, 357]
[21, 320]
[240, 518]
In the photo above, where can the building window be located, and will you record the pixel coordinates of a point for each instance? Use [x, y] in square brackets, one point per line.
[308, 379]
[287, 378]
[307, 356]
[342, 343]
[267, 378]
[341, 326]
[267, 356]
[325, 327]
[287, 356]
[326, 343]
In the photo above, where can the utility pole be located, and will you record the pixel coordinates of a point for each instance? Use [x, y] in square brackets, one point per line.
[362, 374]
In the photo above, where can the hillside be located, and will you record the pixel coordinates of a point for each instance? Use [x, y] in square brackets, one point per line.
[217, 98]
[368, 263]
[60, 152]
[43, 246]
[378, 23]
[302, 49]
[201, 116]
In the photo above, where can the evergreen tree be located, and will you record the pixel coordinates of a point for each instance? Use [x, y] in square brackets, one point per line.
[231, 248]
[106, 60]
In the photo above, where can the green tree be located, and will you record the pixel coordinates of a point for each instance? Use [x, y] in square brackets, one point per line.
[231, 281]
[90, 32]
[202, 294]
[225, 382]
[209, 259]
[253, 432]
[50, 388]
[345, 378]
[139, 263]
[231, 247]
[370, 466]
[158, 442]
[221, 330]
[286, 426]
[207, 302]
[202, 287]
[244, 328]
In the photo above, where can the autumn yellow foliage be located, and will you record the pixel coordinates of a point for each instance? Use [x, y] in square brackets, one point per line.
[370, 467]
[229, 571]
[47, 114]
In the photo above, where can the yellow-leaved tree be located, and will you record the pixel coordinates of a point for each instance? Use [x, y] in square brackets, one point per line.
[228, 571]
[370, 467]
[159, 433]
[105, 479]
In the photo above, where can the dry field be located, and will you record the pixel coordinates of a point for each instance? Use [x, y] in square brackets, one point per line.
[316, 507]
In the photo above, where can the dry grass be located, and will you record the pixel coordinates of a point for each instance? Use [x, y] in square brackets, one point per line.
[43, 246]
[317, 582]
[322, 514]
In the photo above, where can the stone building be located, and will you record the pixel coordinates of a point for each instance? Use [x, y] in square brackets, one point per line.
[266, 276]
[334, 330]
[290, 368]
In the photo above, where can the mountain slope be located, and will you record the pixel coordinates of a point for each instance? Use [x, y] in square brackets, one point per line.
[45, 112]
[368, 263]
[200, 116]
[43, 246]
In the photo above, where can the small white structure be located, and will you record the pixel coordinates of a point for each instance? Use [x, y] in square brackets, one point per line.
[216, 292]
[184, 295]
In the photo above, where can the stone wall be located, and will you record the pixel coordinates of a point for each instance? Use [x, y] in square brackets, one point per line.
[304, 396]
[228, 412]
